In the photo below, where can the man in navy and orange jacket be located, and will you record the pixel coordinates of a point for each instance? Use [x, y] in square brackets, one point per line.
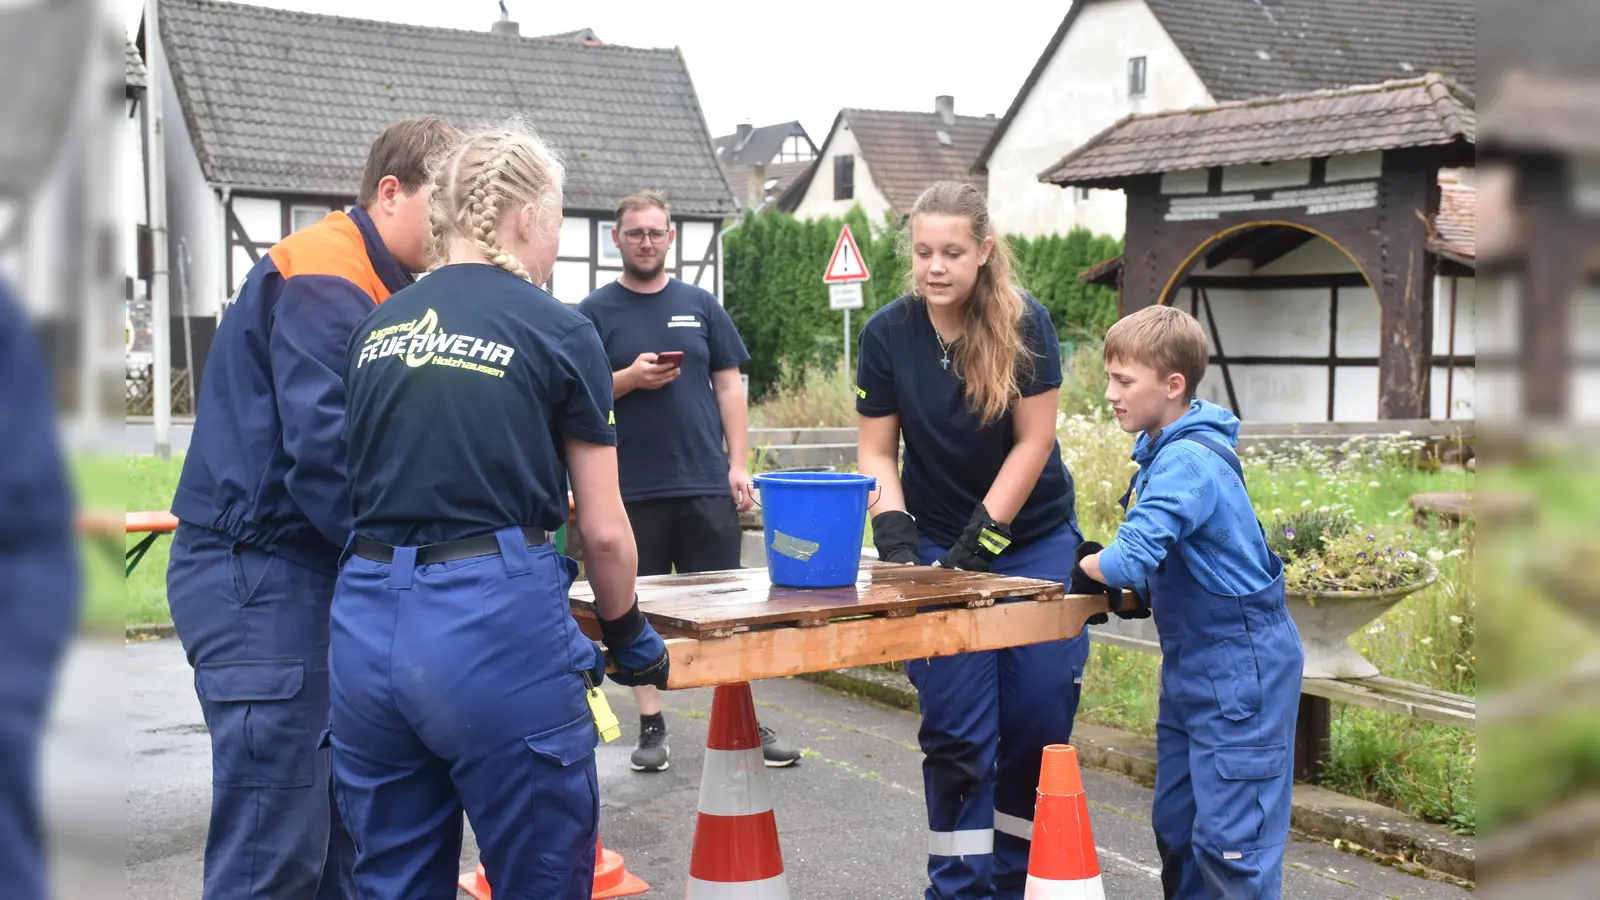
[264, 512]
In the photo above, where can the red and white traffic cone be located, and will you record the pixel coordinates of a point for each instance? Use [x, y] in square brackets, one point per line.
[735, 852]
[1062, 864]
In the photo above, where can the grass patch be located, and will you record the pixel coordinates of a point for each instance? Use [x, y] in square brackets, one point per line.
[809, 398]
[150, 483]
[1422, 769]
[98, 484]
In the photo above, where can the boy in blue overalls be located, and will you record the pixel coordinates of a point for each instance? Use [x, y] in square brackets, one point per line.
[1231, 656]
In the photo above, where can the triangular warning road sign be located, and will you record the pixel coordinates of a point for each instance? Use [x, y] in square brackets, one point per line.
[846, 264]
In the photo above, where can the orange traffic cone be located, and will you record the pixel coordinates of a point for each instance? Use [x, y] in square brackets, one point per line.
[611, 877]
[475, 883]
[735, 852]
[1062, 864]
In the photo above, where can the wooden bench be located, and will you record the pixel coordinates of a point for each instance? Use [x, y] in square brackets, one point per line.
[152, 524]
[1314, 723]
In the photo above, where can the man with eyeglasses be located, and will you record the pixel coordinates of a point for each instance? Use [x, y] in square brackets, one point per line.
[676, 357]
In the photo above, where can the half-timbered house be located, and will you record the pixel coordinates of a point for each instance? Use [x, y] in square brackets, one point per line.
[1313, 236]
[270, 115]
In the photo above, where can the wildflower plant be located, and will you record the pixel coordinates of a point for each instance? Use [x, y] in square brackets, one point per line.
[1359, 560]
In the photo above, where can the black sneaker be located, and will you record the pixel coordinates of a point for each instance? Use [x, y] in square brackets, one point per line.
[776, 751]
[653, 750]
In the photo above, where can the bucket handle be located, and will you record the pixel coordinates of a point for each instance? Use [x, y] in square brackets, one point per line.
[757, 490]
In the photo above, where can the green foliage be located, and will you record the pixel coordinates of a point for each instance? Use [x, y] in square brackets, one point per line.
[1357, 561]
[773, 289]
[1306, 532]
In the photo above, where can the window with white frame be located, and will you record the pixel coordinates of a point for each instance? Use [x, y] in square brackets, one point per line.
[302, 216]
[1136, 76]
[609, 251]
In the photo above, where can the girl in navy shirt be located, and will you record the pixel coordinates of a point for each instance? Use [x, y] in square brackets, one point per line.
[966, 368]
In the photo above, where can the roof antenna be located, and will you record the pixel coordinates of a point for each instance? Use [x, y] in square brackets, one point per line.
[505, 25]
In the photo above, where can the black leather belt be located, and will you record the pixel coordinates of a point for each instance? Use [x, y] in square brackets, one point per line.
[448, 551]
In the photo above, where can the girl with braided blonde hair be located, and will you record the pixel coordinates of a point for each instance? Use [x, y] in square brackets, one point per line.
[460, 681]
[497, 199]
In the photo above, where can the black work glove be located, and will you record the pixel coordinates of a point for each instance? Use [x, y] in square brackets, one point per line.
[640, 654]
[1116, 597]
[981, 541]
[597, 674]
[894, 533]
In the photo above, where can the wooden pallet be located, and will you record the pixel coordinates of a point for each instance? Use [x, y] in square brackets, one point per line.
[719, 604]
[733, 626]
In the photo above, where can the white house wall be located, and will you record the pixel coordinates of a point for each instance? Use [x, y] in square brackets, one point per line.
[697, 241]
[570, 279]
[589, 257]
[1082, 90]
[1293, 322]
[1296, 322]
[130, 188]
[194, 211]
[818, 200]
[1452, 394]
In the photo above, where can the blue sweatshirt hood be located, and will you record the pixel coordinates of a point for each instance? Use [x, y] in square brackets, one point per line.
[1203, 418]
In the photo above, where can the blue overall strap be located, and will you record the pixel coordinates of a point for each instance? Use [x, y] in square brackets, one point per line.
[1227, 454]
[1123, 501]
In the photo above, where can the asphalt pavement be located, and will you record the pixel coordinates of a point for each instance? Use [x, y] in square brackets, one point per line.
[850, 814]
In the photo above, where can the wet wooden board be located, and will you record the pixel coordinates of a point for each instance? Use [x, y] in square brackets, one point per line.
[720, 604]
[842, 644]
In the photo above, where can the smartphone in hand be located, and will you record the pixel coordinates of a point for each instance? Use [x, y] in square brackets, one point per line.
[670, 358]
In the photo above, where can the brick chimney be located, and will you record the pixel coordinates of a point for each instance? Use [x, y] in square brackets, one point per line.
[945, 106]
[505, 25]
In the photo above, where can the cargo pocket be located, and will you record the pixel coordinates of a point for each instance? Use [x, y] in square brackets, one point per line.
[1250, 800]
[1230, 661]
[567, 793]
[261, 734]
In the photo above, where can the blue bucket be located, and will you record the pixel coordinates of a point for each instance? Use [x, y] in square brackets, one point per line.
[814, 522]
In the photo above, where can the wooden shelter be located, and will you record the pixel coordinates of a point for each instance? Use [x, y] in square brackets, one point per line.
[1226, 191]
[1542, 143]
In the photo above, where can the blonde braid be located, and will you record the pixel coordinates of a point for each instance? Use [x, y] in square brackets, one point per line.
[485, 177]
[487, 194]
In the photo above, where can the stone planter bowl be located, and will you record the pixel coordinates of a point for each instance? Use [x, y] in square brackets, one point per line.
[1328, 619]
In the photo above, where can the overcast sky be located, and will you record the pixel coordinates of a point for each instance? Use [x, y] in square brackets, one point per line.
[778, 60]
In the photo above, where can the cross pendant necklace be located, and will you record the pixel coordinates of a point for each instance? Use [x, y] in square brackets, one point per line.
[944, 350]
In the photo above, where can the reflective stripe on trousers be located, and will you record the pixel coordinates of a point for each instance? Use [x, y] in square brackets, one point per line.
[979, 789]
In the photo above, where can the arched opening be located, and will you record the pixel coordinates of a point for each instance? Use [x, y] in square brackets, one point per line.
[1295, 324]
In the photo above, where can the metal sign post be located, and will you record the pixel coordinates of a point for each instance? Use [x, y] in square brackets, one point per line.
[845, 274]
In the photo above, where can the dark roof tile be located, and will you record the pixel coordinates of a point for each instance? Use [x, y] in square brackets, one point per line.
[1426, 111]
[759, 147]
[134, 72]
[291, 101]
[1256, 48]
[1261, 48]
[904, 153]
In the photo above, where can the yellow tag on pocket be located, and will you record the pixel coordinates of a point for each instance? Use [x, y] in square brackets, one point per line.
[604, 719]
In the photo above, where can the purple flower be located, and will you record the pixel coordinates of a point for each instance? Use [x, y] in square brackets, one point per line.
[1313, 567]
[1361, 555]
[1371, 539]
[1288, 533]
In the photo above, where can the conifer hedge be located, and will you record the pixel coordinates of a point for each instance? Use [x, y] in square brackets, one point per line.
[773, 289]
